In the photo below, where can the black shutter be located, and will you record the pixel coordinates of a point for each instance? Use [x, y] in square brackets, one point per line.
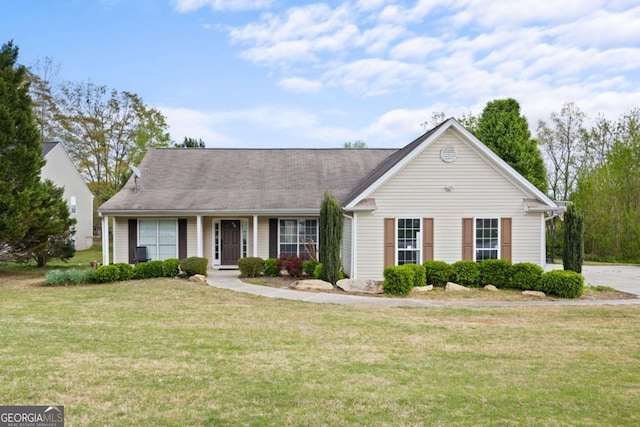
[273, 237]
[182, 238]
[133, 240]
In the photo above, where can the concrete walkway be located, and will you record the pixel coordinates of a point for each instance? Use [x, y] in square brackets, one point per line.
[228, 279]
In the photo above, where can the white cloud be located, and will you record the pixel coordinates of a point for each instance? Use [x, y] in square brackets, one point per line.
[192, 5]
[417, 48]
[300, 85]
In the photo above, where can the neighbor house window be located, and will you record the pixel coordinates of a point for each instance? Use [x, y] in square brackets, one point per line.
[487, 238]
[408, 241]
[298, 237]
[73, 205]
[160, 236]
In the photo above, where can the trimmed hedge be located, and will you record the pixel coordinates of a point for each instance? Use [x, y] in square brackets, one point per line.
[466, 273]
[419, 278]
[171, 267]
[194, 265]
[250, 266]
[437, 273]
[496, 272]
[106, 273]
[125, 271]
[271, 267]
[398, 280]
[147, 270]
[526, 276]
[562, 283]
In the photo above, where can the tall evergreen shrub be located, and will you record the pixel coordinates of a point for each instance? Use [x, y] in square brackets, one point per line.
[331, 223]
[573, 255]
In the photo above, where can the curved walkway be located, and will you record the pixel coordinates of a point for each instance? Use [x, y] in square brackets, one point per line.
[228, 279]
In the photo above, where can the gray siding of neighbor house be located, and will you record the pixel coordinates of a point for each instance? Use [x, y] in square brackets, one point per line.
[418, 191]
[61, 170]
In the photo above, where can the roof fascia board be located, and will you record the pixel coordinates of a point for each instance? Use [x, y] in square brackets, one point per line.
[135, 212]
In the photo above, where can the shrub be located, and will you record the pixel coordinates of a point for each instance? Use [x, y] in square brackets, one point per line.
[466, 273]
[418, 274]
[55, 278]
[562, 283]
[147, 270]
[317, 272]
[271, 267]
[292, 264]
[106, 273]
[331, 224]
[170, 267]
[526, 275]
[125, 271]
[194, 265]
[495, 272]
[80, 277]
[250, 266]
[437, 273]
[398, 280]
[309, 268]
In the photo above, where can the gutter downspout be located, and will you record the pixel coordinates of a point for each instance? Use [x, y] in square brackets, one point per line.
[354, 242]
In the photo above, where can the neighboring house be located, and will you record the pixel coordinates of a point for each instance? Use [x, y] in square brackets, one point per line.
[445, 196]
[61, 170]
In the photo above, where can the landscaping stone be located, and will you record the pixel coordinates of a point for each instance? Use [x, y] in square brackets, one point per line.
[534, 293]
[419, 289]
[360, 285]
[197, 278]
[490, 288]
[313, 285]
[454, 287]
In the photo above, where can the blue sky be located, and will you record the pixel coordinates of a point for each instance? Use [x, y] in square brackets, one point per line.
[278, 73]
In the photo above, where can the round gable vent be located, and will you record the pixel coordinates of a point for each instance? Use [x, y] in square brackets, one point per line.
[448, 153]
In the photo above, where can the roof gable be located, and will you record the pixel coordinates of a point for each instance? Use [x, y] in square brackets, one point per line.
[47, 147]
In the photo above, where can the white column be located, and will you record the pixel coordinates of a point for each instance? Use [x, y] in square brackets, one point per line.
[105, 240]
[113, 238]
[255, 235]
[354, 245]
[199, 236]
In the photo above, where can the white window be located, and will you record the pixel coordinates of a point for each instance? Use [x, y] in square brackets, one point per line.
[298, 237]
[72, 205]
[487, 240]
[408, 241]
[160, 236]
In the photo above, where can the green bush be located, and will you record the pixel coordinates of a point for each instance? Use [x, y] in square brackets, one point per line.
[271, 267]
[106, 273]
[398, 280]
[194, 265]
[125, 270]
[526, 275]
[417, 271]
[466, 273]
[562, 283]
[171, 267]
[68, 277]
[250, 266]
[309, 268]
[317, 271]
[437, 273]
[147, 270]
[495, 272]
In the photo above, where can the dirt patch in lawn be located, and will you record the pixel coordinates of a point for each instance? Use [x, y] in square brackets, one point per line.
[439, 294]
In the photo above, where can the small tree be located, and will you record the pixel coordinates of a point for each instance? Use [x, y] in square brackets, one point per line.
[331, 223]
[573, 240]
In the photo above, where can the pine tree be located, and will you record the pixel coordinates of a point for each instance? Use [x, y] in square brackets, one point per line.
[331, 223]
[573, 240]
[20, 150]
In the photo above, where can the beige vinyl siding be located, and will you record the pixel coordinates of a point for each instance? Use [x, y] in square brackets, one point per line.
[207, 227]
[122, 240]
[346, 246]
[418, 191]
[192, 243]
[263, 237]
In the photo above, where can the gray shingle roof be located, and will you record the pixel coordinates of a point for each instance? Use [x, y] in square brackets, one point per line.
[207, 180]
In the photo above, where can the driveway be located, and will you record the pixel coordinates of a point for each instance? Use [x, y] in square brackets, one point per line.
[625, 278]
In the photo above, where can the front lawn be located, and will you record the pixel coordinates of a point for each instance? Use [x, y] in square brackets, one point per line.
[169, 352]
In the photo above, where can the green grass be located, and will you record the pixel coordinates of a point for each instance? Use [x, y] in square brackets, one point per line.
[169, 352]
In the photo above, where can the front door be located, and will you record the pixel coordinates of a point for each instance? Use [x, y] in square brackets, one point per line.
[230, 242]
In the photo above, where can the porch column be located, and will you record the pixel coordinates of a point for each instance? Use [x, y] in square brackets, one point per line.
[354, 246]
[199, 237]
[105, 240]
[113, 238]
[255, 235]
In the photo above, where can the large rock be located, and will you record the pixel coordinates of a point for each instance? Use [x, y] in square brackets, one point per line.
[197, 278]
[454, 287]
[490, 288]
[534, 294]
[360, 285]
[312, 285]
[419, 289]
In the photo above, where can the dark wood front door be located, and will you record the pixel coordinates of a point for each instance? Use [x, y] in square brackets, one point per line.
[230, 242]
